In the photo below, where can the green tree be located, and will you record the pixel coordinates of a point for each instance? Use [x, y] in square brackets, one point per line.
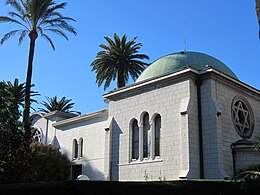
[249, 173]
[118, 60]
[36, 17]
[257, 145]
[16, 90]
[48, 164]
[53, 104]
[14, 150]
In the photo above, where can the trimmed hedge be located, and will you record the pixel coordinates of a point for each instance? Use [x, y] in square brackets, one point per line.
[193, 187]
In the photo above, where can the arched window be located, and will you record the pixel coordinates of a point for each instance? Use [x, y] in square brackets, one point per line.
[146, 127]
[36, 135]
[157, 123]
[75, 149]
[135, 140]
[80, 147]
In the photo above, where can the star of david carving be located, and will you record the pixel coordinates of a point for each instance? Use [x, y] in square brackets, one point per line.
[241, 117]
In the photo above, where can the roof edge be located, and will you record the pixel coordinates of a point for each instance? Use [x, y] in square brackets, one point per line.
[148, 81]
[86, 117]
[169, 75]
[59, 114]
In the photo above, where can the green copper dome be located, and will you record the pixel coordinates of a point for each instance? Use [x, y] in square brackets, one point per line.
[181, 60]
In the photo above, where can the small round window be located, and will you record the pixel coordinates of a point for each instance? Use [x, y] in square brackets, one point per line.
[243, 117]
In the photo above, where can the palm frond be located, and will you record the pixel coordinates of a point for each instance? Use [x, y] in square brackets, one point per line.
[8, 35]
[10, 20]
[53, 104]
[249, 173]
[17, 91]
[58, 32]
[22, 35]
[257, 145]
[118, 60]
[49, 40]
[38, 16]
[16, 5]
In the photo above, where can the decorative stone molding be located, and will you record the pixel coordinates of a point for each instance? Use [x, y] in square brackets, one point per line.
[242, 117]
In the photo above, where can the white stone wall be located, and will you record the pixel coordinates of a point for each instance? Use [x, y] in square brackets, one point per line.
[175, 159]
[246, 156]
[218, 131]
[106, 153]
[93, 134]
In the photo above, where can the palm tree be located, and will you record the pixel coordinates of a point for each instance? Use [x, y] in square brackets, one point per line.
[257, 2]
[249, 173]
[118, 60]
[16, 91]
[35, 17]
[257, 145]
[53, 104]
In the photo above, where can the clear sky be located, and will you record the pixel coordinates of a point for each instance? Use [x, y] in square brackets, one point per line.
[227, 30]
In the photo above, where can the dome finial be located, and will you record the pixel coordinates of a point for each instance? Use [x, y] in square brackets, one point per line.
[185, 42]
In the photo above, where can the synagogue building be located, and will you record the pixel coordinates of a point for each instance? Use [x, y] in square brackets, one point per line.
[188, 116]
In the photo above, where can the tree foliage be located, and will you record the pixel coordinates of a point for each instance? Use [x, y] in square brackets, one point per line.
[14, 155]
[35, 17]
[53, 104]
[119, 59]
[249, 173]
[20, 162]
[48, 164]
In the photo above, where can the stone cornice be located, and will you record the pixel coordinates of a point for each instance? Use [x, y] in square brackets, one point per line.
[59, 114]
[78, 119]
[179, 74]
[148, 82]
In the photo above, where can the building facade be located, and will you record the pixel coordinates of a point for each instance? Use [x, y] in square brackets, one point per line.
[186, 117]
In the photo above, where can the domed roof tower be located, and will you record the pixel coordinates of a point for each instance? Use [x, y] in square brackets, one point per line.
[181, 60]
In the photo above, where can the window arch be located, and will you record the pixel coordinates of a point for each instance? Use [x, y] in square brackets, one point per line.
[157, 134]
[146, 127]
[135, 139]
[80, 147]
[75, 149]
[36, 134]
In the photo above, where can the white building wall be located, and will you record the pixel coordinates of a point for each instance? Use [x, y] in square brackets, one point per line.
[92, 131]
[175, 159]
[218, 131]
[106, 153]
[93, 134]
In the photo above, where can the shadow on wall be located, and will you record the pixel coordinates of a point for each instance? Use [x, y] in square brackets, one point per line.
[115, 151]
[85, 166]
[92, 172]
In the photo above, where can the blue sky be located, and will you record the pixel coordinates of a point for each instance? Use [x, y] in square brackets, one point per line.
[227, 30]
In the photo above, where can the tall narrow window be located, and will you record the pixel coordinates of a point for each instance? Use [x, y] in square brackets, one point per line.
[75, 149]
[157, 135]
[135, 140]
[81, 147]
[146, 127]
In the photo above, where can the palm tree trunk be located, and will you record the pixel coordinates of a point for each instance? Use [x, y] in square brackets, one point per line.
[26, 113]
[258, 13]
[120, 79]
